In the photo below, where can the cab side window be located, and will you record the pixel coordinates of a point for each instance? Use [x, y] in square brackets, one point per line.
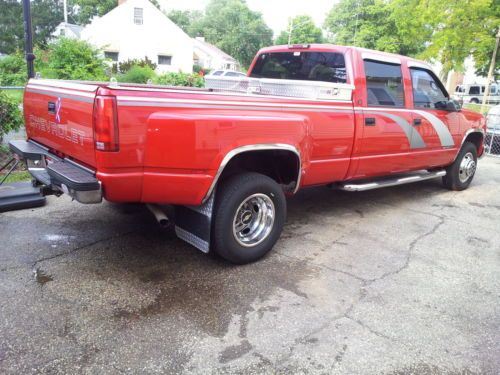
[427, 91]
[384, 84]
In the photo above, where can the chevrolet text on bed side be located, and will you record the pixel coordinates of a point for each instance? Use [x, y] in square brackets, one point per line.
[225, 157]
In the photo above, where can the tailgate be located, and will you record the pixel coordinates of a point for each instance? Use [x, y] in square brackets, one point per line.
[58, 115]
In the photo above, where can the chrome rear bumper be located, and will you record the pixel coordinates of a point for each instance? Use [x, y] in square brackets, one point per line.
[58, 175]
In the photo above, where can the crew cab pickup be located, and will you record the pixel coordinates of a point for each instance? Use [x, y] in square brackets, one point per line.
[225, 157]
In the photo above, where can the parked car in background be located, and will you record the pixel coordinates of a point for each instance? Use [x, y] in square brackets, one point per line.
[474, 94]
[492, 139]
[227, 73]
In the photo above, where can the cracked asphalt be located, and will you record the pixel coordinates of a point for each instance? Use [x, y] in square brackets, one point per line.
[397, 281]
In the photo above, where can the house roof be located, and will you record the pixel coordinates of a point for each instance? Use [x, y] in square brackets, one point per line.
[210, 48]
[75, 29]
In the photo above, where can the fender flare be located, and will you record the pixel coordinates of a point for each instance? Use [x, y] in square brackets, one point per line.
[255, 147]
[467, 133]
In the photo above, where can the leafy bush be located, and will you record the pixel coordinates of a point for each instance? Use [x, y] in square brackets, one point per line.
[10, 114]
[13, 67]
[137, 74]
[13, 70]
[180, 79]
[125, 66]
[74, 59]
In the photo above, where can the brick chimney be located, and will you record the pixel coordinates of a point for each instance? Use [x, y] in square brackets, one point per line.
[120, 2]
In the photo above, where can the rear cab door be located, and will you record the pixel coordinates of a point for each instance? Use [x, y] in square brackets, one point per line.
[384, 133]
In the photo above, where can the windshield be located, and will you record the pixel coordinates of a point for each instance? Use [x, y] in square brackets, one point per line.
[307, 66]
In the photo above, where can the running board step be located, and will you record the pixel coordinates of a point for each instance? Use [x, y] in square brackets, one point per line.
[391, 181]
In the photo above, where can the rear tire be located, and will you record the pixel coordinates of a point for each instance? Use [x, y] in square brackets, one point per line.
[459, 175]
[249, 214]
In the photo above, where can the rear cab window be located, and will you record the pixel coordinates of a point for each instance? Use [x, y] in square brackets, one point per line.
[301, 65]
[384, 84]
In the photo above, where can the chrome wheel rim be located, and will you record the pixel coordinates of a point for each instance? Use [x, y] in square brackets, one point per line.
[254, 220]
[467, 167]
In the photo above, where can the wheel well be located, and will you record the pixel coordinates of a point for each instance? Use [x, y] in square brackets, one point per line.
[281, 165]
[477, 139]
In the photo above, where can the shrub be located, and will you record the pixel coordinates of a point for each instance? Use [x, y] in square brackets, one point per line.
[125, 66]
[10, 114]
[137, 74]
[180, 79]
[74, 59]
[13, 70]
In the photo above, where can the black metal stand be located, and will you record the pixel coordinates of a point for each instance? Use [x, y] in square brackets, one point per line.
[28, 38]
[14, 165]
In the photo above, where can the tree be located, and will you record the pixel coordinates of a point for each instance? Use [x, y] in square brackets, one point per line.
[444, 31]
[462, 28]
[376, 24]
[185, 19]
[234, 28]
[45, 14]
[303, 31]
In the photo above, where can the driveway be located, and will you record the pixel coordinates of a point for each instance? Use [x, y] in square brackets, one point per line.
[397, 281]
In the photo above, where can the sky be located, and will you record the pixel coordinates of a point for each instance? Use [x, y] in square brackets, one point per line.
[276, 12]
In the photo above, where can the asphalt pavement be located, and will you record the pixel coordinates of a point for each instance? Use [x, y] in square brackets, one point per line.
[398, 281]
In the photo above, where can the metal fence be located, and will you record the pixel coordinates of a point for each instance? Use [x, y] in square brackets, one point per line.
[492, 139]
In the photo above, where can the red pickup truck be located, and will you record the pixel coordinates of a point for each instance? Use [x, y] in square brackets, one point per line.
[226, 156]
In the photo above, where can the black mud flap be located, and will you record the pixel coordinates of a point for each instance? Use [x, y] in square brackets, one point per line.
[193, 224]
[20, 195]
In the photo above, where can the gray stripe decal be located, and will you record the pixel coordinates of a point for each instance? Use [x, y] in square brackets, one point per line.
[60, 95]
[441, 129]
[413, 136]
[214, 106]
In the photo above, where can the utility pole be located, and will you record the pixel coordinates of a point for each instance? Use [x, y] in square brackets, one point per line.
[65, 5]
[290, 32]
[490, 72]
[28, 38]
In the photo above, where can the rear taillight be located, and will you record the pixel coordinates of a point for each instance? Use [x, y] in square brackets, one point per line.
[106, 124]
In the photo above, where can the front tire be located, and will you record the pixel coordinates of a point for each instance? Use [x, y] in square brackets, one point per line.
[249, 214]
[459, 175]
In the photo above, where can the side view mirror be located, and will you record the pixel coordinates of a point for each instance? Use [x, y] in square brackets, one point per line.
[458, 105]
[449, 105]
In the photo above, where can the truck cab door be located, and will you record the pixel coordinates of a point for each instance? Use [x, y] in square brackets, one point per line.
[435, 124]
[385, 133]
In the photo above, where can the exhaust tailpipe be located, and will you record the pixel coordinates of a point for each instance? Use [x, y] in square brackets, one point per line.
[160, 216]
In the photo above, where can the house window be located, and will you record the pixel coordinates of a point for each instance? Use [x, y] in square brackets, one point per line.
[138, 16]
[164, 60]
[113, 56]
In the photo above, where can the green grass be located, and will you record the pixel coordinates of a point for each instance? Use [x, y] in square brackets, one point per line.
[477, 108]
[17, 177]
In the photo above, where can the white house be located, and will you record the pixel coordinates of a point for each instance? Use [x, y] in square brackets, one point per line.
[136, 29]
[210, 57]
[68, 30]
